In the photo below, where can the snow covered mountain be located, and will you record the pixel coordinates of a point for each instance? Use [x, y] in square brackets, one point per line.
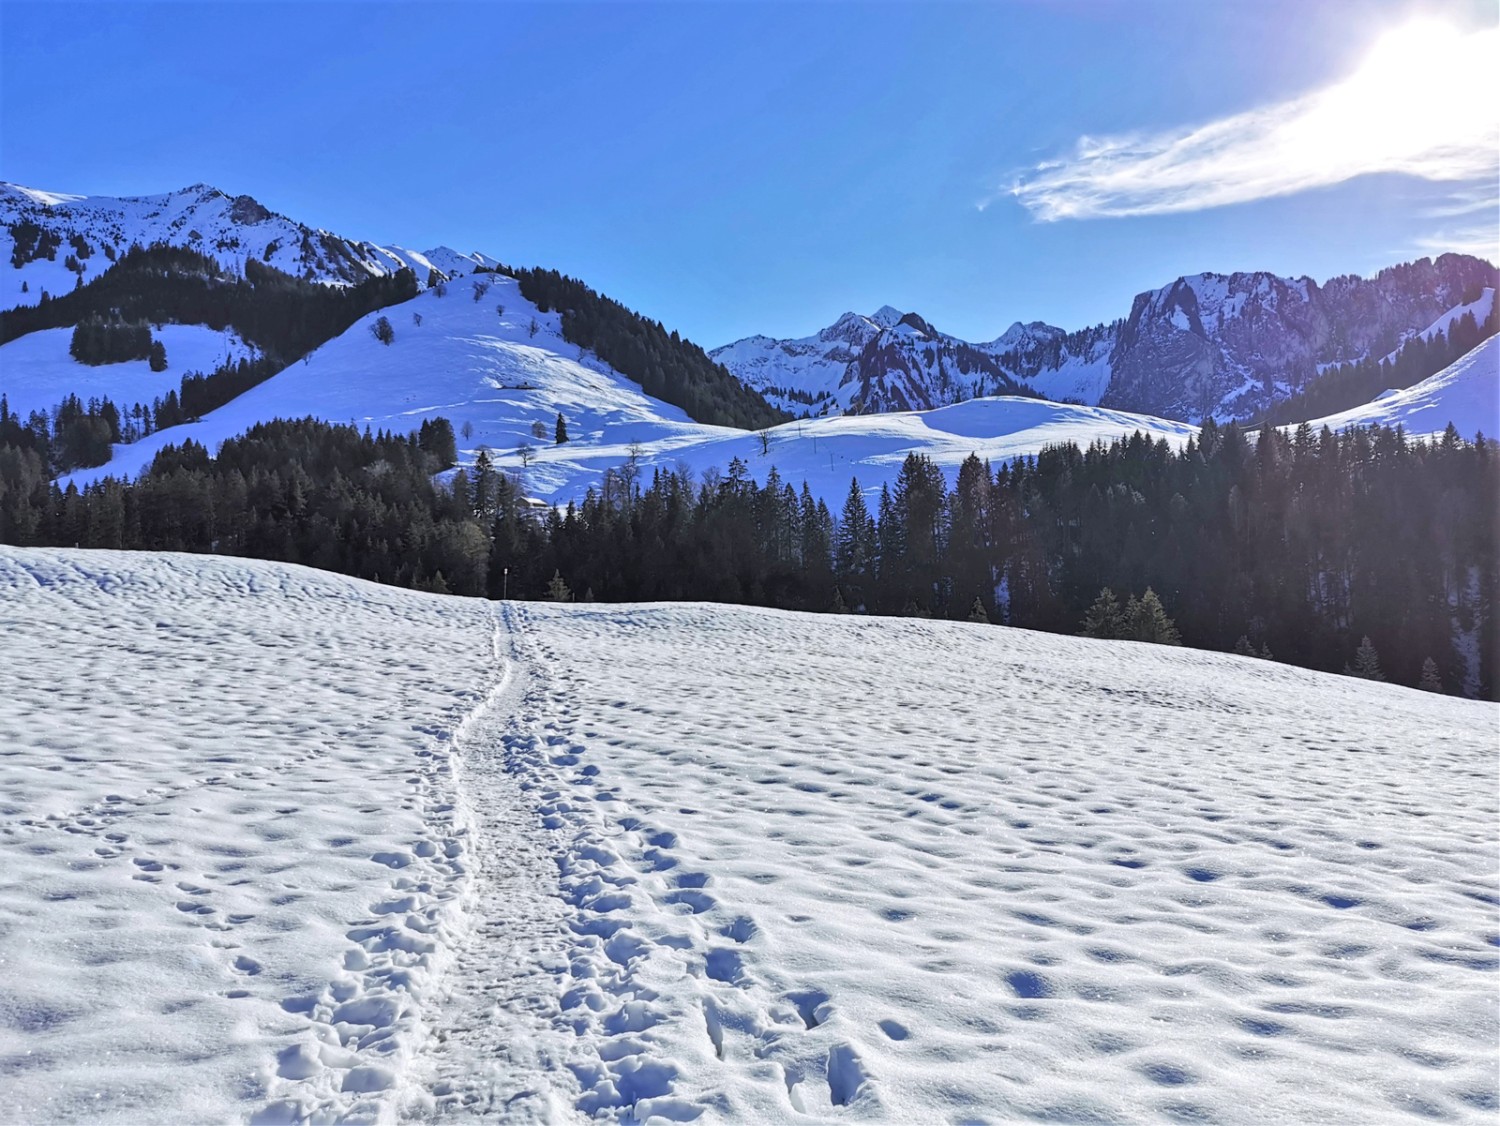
[498, 377]
[282, 846]
[878, 386]
[1225, 345]
[54, 240]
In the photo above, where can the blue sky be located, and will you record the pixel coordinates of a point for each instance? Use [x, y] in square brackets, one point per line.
[740, 168]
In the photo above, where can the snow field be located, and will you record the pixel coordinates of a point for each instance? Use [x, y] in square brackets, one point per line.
[36, 372]
[232, 862]
[931, 871]
[277, 845]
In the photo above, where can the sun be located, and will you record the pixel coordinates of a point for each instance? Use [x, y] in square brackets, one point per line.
[1425, 92]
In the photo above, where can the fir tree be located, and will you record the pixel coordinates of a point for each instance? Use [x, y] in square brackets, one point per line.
[1431, 681]
[977, 612]
[158, 356]
[1243, 648]
[557, 589]
[1366, 662]
[561, 431]
[1104, 619]
[1146, 620]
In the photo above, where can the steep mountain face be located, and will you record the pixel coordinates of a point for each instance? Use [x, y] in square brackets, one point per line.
[1209, 344]
[53, 242]
[1233, 345]
[887, 361]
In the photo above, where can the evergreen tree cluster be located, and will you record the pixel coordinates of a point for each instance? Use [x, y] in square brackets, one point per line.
[666, 366]
[283, 316]
[110, 340]
[1322, 548]
[1350, 385]
[32, 243]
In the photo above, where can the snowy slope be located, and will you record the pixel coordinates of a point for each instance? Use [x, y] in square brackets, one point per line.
[467, 363]
[1479, 309]
[226, 818]
[1465, 393]
[279, 845]
[36, 372]
[230, 229]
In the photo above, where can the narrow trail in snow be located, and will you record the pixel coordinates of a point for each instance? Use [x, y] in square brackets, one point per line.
[663, 987]
[493, 1039]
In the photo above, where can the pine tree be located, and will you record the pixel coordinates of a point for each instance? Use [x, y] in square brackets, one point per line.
[1243, 648]
[1366, 662]
[1104, 619]
[977, 612]
[839, 605]
[557, 589]
[1431, 681]
[158, 356]
[1146, 620]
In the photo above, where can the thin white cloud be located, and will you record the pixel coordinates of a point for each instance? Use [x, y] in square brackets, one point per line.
[1425, 102]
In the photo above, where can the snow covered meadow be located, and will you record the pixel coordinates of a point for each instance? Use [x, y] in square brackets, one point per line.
[278, 845]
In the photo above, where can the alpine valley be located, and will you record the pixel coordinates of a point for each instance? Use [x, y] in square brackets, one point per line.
[513, 349]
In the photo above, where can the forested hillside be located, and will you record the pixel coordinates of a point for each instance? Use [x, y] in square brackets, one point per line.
[1295, 547]
[283, 316]
[666, 366]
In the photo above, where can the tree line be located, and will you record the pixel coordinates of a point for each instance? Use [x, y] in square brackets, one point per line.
[1295, 546]
[666, 366]
[1346, 386]
[283, 317]
[100, 340]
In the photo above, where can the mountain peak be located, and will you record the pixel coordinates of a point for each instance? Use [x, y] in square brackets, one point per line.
[887, 316]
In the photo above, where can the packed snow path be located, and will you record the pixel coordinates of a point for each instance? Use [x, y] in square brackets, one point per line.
[277, 845]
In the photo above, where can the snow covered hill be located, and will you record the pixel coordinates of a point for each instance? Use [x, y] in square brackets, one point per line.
[1222, 344]
[41, 232]
[495, 379]
[277, 845]
[37, 372]
[1465, 393]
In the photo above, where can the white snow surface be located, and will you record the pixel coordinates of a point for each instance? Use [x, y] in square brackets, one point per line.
[37, 373]
[472, 365]
[277, 845]
[1465, 393]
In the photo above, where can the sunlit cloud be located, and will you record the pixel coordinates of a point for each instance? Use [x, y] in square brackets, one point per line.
[1425, 102]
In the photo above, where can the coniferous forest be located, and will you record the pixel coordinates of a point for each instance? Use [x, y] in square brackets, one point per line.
[281, 316]
[666, 366]
[1295, 547]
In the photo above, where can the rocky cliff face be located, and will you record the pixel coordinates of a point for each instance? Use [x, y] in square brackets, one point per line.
[1233, 344]
[1227, 345]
